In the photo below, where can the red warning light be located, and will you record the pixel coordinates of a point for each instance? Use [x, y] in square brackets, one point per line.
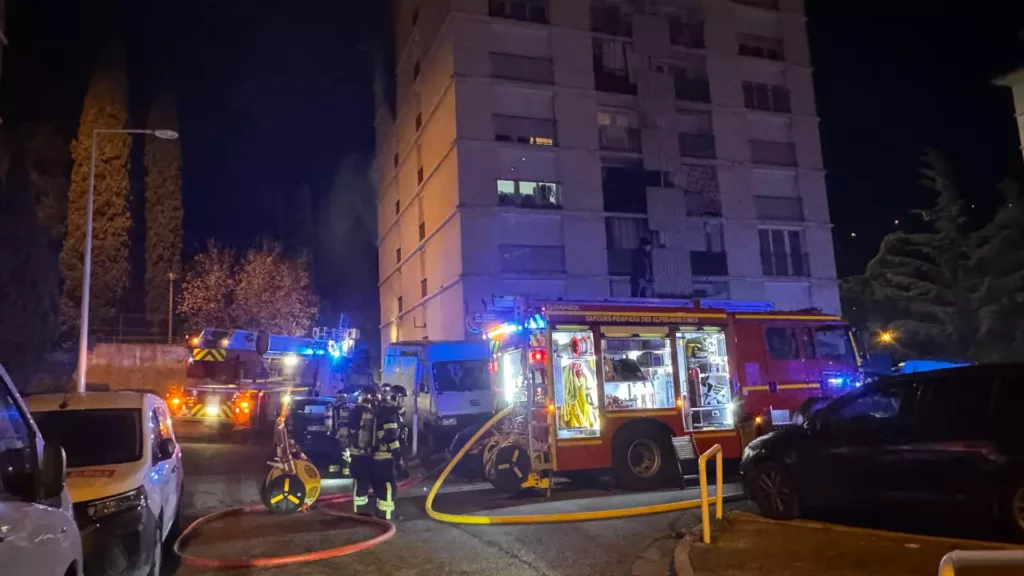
[539, 356]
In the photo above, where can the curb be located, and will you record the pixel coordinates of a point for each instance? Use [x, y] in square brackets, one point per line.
[681, 558]
[874, 531]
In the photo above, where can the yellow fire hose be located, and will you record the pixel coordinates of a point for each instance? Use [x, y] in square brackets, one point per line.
[540, 518]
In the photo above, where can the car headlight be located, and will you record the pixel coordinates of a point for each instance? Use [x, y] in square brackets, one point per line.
[127, 501]
[449, 421]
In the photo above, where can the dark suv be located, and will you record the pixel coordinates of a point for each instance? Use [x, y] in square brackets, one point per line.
[949, 440]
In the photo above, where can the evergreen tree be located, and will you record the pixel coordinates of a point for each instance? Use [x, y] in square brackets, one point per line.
[207, 289]
[105, 107]
[45, 158]
[30, 299]
[925, 277]
[999, 255]
[163, 209]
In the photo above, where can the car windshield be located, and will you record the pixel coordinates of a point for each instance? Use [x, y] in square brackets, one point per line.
[461, 375]
[833, 343]
[94, 437]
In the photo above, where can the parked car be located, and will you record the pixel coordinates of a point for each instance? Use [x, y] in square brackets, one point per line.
[124, 474]
[946, 440]
[37, 527]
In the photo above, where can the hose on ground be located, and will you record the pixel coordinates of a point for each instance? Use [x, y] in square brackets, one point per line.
[536, 518]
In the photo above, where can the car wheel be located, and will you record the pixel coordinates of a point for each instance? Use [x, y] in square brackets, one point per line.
[642, 459]
[158, 551]
[1013, 510]
[773, 491]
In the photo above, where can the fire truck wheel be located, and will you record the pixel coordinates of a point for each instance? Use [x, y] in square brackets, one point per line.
[642, 459]
[1012, 509]
[772, 489]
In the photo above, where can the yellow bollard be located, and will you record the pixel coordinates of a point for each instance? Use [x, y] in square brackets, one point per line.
[702, 466]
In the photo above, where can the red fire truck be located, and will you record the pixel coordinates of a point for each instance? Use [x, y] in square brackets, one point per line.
[632, 385]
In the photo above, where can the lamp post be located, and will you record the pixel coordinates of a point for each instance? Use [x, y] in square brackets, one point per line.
[170, 304]
[83, 337]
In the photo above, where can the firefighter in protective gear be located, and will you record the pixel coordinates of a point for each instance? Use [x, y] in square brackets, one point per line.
[362, 442]
[387, 455]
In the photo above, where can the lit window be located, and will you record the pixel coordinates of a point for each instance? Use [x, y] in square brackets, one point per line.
[526, 194]
[541, 141]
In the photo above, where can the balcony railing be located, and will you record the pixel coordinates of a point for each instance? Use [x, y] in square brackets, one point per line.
[524, 10]
[700, 204]
[692, 89]
[706, 263]
[620, 139]
[606, 81]
[785, 264]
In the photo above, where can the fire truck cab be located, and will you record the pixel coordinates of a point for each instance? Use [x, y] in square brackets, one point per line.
[633, 385]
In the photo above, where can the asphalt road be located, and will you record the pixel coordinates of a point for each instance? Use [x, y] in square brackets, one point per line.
[220, 475]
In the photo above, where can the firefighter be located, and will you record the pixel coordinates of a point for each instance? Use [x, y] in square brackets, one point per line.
[343, 409]
[387, 455]
[361, 428]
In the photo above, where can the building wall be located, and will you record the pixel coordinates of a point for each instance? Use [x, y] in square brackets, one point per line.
[736, 206]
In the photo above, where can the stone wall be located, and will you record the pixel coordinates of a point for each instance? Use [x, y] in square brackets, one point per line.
[121, 366]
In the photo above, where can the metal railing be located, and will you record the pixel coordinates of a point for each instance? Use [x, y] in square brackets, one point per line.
[953, 563]
[702, 465]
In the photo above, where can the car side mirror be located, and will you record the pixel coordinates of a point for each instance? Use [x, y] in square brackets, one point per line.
[53, 470]
[165, 450]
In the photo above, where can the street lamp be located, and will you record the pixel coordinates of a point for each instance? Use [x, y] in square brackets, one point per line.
[886, 337]
[83, 337]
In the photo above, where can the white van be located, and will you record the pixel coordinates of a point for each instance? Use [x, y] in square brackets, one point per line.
[37, 526]
[124, 474]
[449, 384]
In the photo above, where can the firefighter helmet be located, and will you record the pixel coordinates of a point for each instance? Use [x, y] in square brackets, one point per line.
[396, 395]
[368, 396]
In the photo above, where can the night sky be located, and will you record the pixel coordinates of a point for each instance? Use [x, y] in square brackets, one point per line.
[276, 95]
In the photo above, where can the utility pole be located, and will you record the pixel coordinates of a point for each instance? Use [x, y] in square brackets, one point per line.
[170, 305]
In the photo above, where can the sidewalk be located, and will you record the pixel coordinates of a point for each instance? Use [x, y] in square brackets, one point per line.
[748, 545]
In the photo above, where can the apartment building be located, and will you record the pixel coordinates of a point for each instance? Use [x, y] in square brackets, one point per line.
[529, 145]
[1015, 82]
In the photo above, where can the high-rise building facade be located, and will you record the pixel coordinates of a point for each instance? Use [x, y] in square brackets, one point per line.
[532, 144]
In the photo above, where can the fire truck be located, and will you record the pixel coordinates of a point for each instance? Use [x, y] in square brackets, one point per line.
[633, 385]
[239, 379]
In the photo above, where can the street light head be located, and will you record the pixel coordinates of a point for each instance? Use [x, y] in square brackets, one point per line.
[166, 134]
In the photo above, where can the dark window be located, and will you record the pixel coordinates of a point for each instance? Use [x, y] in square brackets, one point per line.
[778, 208]
[760, 47]
[760, 96]
[120, 429]
[772, 153]
[687, 34]
[415, 15]
[461, 375]
[423, 288]
[395, 160]
[782, 253]
[416, 70]
[398, 256]
[419, 121]
[808, 338]
[611, 72]
[419, 175]
[781, 343]
[697, 145]
[691, 89]
[624, 189]
[609, 19]
[708, 263]
[15, 439]
[833, 343]
[400, 307]
[397, 207]
[957, 406]
[524, 10]
[423, 230]
[875, 406]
